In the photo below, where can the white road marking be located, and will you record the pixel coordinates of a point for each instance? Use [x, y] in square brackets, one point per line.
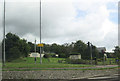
[105, 77]
[99, 77]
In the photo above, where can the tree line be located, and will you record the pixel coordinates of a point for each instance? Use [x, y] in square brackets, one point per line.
[17, 47]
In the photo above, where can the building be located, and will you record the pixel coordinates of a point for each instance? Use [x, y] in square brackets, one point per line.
[35, 55]
[75, 56]
[100, 49]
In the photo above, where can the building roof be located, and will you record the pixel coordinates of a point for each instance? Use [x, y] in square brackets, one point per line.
[101, 48]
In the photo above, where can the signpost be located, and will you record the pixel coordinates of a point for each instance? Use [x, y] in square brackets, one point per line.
[40, 45]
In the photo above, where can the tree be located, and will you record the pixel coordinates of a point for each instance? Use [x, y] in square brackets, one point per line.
[94, 52]
[14, 53]
[31, 46]
[24, 47]
[46, 48]
[80, 47]
[117, 52]
[55, 48]
[15, 47]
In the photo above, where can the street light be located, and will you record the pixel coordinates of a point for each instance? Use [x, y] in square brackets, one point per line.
[35, 50]
[4, 35]
[40, 34]
[90, 45]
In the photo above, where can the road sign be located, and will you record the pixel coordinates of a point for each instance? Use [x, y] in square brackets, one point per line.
[40, 45]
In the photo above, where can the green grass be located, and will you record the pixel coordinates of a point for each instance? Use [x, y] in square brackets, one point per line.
[44, 60]
[32, 69]
[107, 62]
[25, 65]
[51, 63]
[28, 64]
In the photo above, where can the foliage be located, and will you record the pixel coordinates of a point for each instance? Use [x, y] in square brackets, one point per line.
[77, 61]
[16, 47]
[62, 55]
[29, 63]
[117, 52]
[47, 56]
[14, 53]
[63, 50]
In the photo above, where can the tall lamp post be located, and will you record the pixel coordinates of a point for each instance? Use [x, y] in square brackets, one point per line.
[40, 34]
[90, 45]
[35, 50]
[4, 36]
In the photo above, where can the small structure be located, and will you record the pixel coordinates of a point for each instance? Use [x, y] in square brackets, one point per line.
[75, 56]
[35, 55]
[100, 49]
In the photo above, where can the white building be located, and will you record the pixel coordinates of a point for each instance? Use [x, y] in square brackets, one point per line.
[35, 55]
[75, 56]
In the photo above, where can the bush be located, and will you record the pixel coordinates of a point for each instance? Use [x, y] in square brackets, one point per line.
[46, 56]
[62, 55]
[78, 61]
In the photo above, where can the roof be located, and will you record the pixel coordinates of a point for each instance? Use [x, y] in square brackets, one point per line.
[101, 48]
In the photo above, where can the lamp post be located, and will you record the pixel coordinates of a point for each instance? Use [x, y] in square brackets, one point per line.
[91, 52]
[90, 45]
[35, 46]
[40, 34]
[4, 35]
[35, 50]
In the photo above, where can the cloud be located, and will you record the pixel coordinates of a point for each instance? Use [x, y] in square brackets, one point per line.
[62, 21]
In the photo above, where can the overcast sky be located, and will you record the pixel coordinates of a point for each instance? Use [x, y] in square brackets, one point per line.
[64, 21]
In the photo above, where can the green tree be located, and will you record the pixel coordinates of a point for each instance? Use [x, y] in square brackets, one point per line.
[14, 53]
[80, 47]
[16, 47]
[117, 52]
[31, 46]
[24, 47]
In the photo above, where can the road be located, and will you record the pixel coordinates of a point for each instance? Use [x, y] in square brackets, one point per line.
[112, 77]
[72, 75]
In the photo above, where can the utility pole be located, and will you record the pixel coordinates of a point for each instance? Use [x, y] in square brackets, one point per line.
[4, 35]
[40, 34]
[35, 50]
[104, 60]
[90, 46]
[91, 52]
[35, 46]
[103, 57]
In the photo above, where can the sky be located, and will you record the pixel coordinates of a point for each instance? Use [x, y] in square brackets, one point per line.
[63, 21]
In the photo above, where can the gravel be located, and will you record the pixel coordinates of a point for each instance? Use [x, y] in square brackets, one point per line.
[56, 74]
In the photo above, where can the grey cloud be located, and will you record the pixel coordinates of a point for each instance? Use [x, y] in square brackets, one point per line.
[59, 23]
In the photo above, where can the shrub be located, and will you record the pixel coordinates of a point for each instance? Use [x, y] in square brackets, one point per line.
[62, 55]
[78, 61]
[46, 56]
